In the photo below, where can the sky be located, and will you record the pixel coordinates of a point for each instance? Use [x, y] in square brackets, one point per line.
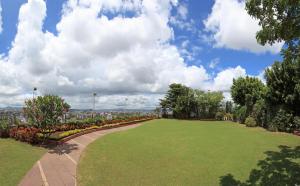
[126, 51]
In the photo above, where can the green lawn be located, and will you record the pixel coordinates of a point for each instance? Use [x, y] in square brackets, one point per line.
[175, 152]
[16, 158]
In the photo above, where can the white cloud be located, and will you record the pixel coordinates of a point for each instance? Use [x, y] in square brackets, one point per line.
[213, 63]
[183, 11]
[224, 79]
[231, 27]
[0, 18]
[92, 53]
[129, 62]
[181, 19]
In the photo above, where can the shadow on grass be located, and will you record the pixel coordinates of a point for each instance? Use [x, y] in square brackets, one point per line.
[278, 168]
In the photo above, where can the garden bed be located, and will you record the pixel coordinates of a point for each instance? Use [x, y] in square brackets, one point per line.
[61, 133]
[64, 136]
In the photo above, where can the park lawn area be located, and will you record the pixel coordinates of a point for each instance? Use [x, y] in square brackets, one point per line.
[179, 152]
[16, 158]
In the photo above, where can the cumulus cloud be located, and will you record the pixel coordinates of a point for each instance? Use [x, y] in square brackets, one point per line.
[223, 80]
[94, 53]
[128, 61]
[231, 27]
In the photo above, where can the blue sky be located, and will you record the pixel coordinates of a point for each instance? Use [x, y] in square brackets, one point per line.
[215, 39]
[198, 11]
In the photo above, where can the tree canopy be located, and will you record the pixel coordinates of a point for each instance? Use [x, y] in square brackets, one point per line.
[246, 91]
[45, 111]
[283, 81]
[186, 102]
[279, 19]
[275, 106]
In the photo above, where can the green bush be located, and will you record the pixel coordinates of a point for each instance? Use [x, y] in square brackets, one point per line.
[297, 122]
[240, 114]
[250, 122]
[283, 121]
[259, 113]
[4, 128]
[45, 112]
[219, 116]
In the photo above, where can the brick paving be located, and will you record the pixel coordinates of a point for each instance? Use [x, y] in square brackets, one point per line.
[58, 166]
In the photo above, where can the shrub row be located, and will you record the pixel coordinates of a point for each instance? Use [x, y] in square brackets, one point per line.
[34, 135]
[25, 134]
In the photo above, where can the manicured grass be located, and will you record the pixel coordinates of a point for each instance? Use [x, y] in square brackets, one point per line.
[16, 158]
[177, 152]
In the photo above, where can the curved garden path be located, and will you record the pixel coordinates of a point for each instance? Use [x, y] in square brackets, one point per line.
[58, 166]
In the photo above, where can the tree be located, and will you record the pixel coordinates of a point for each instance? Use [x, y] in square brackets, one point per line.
[246, 91]
[240, 114]
[228, 107]
[280, 21]
[164, 107]
[283, 81]
[46, 111]
[214, 100]
[207, 103]
[259, 113]
[175, 92]
[186, 102]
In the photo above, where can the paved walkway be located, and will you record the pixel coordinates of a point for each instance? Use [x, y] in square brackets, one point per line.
[58, 166]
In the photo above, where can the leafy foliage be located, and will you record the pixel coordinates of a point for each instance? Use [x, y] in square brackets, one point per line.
[283, 121]
[240, 114]
[45, 112]
[283, 81]
[246, 91]
[259, 113]
[277, 106]
[280, 20]
[250, 122]
[4, 128]
[189, 103]
[228, 107]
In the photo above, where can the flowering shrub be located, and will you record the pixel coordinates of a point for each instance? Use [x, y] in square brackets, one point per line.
[45, 112]
[25, 134]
